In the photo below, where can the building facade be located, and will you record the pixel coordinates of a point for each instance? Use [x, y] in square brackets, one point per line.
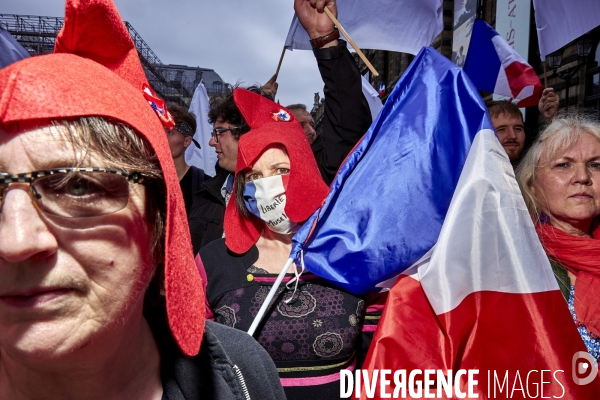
[185, 79]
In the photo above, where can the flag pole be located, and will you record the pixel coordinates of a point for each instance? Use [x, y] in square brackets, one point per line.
[356, 48]
[545, 76]
[280, 61]
[265, 304]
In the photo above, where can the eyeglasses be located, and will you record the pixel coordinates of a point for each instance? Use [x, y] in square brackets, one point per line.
[216, 132]
[75, 192]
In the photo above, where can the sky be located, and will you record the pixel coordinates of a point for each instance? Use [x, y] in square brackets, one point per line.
[241, 40]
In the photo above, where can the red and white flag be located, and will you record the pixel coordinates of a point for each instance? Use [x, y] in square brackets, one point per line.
[484, 298]
[494, 66]
[381, 89]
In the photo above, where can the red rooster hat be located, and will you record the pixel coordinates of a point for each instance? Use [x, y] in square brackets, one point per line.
[96, 71]
[272, 124]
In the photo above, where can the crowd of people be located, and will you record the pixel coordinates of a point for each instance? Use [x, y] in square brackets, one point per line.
[127, 273]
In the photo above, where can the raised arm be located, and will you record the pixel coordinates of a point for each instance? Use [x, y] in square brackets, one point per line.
[347, 116]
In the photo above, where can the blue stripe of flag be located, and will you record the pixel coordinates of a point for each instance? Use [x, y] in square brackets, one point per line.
[482, 63]
[250, 199]
[390, 197]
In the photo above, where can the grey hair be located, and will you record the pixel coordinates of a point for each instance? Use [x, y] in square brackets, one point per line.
[120, 146]
[562, 134]
[293, 107]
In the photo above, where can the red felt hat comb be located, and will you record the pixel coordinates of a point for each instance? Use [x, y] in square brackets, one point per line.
[94, 30]
[99, 74]
[272, 124]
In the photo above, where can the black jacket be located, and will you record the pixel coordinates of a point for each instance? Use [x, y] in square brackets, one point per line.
[346, 119]
[346, 116]
[231, 365]
[208, 211]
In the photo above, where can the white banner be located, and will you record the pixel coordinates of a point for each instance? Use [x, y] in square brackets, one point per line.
[372, 97]
[512, 24]
[204, 158]
[562, 21]
[395, 25]
[464, 17]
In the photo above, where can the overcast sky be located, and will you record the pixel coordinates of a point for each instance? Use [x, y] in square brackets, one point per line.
[240, 39]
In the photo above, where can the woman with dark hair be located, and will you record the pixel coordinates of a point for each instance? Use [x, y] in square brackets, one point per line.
[312, 329]
[560, 181]
[99, 294]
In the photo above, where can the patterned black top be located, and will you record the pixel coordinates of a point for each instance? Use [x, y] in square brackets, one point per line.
[311, 333]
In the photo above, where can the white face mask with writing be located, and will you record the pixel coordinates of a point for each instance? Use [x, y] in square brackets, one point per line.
[265, 198]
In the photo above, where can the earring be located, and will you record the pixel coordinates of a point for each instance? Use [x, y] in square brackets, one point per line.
[544, 218]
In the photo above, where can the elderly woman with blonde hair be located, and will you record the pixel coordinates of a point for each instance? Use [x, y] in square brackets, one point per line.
[560, 181]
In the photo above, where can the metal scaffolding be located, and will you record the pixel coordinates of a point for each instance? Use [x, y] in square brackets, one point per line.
[37, 35]
[171, 88]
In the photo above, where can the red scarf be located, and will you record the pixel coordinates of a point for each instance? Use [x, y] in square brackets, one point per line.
[581, 256]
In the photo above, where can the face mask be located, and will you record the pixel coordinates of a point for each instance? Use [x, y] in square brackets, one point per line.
[265, 198]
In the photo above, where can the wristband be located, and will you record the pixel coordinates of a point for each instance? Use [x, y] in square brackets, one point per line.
[321, 41]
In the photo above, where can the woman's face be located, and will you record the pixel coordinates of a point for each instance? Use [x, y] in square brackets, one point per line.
[567, 186]
[66, 282]
[274, 161]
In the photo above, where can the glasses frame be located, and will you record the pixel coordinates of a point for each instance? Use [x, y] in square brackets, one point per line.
[216, 132]
[31, 177]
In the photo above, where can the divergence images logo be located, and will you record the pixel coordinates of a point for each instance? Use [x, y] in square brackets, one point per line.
[584, 368]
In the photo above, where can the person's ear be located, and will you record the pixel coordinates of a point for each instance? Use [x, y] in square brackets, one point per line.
[187, 141]
[532, 188]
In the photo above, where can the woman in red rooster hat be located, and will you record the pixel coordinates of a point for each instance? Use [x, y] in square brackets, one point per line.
[312, 329]
[99, 293]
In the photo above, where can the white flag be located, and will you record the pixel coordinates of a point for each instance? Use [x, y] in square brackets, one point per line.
[204, 158]
[372, 97]
[395, 25]
[562, 21]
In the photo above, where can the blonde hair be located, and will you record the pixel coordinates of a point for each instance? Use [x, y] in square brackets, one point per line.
[562, 134]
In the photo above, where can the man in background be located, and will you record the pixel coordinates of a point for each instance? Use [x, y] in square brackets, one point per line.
[306, 120]
[508, 122]
[180, 137]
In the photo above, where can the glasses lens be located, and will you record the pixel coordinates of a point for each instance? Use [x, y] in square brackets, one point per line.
[215, 135]
[81, 194]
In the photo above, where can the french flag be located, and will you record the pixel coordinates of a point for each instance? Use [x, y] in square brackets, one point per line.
[428, 201]
[389, 198]
[381, 89]
[484, 297]
[496, 67]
